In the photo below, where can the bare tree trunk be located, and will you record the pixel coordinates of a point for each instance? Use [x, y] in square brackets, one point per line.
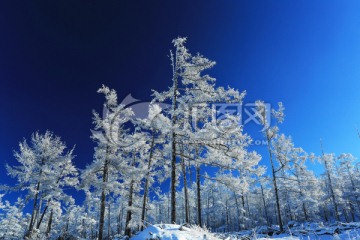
[247, 206]
[288, 203]
[109, 221]
[330, 186]
[207, 210]
[173, 140]
[168, 207]
[173, 180]
[41, 218]
[120, 218]
[325, 215]
[103, 197]
[198, 194]
[227, 215]
[118, 228]
[275, 185]
[212, 205]
[146, 187]
[352, 211]
[237, 212]
[264, 203]
[183, 168]
[32, 221]
[83, 233]
[102, 215]
[243, 205]
[67, 224]
[129, 211]
[49, 223]
[189, 185]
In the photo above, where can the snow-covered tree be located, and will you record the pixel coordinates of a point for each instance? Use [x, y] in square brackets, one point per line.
[156, 128]
[112, 137]
[330, 176]
[13, 223]
[194, 131]
[45, 169]
[271, 132]
[349, 179]
[306, 186]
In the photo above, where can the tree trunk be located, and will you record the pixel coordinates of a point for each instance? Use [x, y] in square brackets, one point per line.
[173, 140]
[185, 191]
[302, 198]
[120, 218]
[49, 223]
[275, 185]
[354, 190]
[227, 215]
[146, 187]
[173, 181]
[325, 215]
[247, 206]
[288, 203]
[32, 221]
[42, 217]
[207, 210]
[83, 232]
[45, 209]
[264, 203]
[109, 221]
[198, 194]
[213, 205]
[243, 208]
[352, 211]
[188, 169]
[330, 185]
[34, 207]
[103, 197]
[237, 212]
[129, 211]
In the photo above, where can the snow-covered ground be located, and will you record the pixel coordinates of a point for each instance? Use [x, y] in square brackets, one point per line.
[295, 231]
[301, 231]
[174, 232]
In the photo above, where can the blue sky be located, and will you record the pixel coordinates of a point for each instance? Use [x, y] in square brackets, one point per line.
[55, 55]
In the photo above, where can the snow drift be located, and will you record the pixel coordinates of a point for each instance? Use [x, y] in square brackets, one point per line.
[174, 232]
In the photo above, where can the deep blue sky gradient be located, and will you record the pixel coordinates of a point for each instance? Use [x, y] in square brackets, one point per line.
[54, 55]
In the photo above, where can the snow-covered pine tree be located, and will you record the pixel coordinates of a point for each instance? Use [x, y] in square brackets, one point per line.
[334, 194]
[45, 169]
[192, 125]
[156, 128]
[13, 223]
[306, 187]
[111, 135]
[271, 133]
[349, 179]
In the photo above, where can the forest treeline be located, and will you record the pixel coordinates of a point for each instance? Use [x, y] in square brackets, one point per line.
[215, 180]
